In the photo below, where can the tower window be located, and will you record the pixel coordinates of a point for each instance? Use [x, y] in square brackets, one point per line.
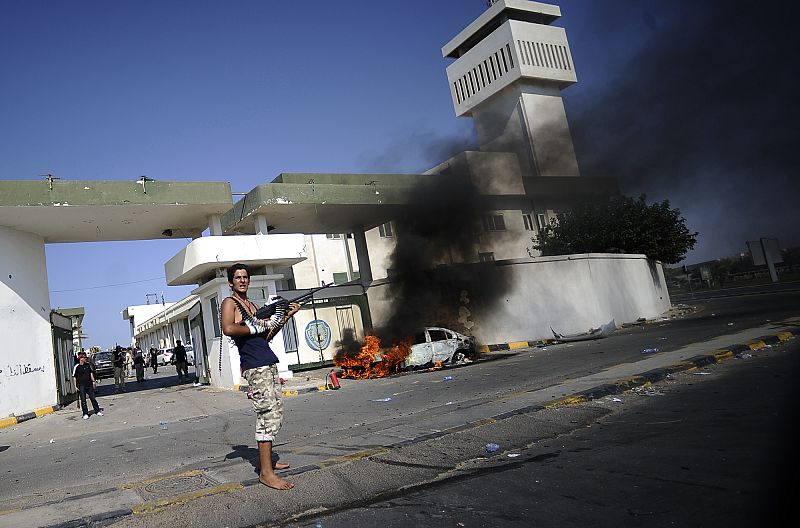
[385, 230]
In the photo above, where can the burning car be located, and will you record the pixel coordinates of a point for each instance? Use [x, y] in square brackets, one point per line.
[430, 347]
[439, 345]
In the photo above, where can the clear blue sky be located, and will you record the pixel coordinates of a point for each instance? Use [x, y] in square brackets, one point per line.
[241, 91]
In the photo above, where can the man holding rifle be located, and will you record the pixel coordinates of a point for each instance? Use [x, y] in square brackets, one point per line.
[259, 366]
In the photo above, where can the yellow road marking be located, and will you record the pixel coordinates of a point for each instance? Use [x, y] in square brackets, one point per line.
[720, 355]
[567, 400]
[784, 336]
[8, 422]
[353, 457]
[159, 505]
[518, 344]
[191, 473]
[43, 411]
[756, 345]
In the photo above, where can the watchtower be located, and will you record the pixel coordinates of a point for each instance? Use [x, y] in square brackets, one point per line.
[510, 68]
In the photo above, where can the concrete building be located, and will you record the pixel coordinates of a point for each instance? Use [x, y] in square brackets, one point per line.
[301, 230]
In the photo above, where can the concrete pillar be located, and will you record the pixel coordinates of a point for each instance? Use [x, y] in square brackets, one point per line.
[362, 254]
[215, 225]
[27, 364]
[260, 222]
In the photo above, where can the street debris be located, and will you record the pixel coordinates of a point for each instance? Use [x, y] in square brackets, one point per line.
[701, 373]
[649, 350]
[447, 378]
[163, 424]
[513, 455]
[52, 440]
[730, 324]
[593, 333]
[449, 403]
[744, 355]
[647, 391]
[491, 448]
[616, 400]
[663, 338]
[382, 400]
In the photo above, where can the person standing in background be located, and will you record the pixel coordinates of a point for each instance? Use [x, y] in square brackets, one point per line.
[181, 361]
[138, 364]
[118, 360]
[154, 359]
[85, 382]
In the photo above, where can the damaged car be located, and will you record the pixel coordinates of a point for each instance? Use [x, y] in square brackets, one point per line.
[439, 345]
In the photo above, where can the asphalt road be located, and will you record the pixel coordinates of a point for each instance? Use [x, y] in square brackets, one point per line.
[348, 448]
[708, 448]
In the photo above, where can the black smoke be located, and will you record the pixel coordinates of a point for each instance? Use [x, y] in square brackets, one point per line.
[703, 114]
[436, 236]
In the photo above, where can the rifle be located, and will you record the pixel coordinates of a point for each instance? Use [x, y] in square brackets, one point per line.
[278, 304]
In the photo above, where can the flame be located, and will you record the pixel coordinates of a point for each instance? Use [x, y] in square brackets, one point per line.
[362, 364]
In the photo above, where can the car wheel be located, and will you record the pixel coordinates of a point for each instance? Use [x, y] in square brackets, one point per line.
[458, 356]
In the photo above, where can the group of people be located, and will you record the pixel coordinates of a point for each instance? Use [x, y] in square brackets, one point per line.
[251, 336]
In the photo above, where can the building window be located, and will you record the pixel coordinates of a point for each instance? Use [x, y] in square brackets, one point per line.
[541, 219]
[528, 221]
[494, 223]
[385, 230]
[215, 316]
[333, 236]
[340, 277]
[486, 257]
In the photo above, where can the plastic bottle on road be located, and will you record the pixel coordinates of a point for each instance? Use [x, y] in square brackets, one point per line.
[649, 350]
[491, 448]
[163, 424]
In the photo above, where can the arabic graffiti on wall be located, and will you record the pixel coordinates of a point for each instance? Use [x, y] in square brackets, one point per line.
[10, 371]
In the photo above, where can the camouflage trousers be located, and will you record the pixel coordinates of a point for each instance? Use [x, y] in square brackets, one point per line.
[266, 387]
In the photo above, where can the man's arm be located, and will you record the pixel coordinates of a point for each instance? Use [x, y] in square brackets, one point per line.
[74, 379]
[230, 327]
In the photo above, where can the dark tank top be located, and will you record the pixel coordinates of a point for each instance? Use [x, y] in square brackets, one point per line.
[254, 351]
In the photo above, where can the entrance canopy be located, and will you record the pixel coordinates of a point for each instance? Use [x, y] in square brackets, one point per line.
[94, 211]
[322, 203]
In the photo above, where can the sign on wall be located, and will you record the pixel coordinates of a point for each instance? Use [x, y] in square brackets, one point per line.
[318, 335]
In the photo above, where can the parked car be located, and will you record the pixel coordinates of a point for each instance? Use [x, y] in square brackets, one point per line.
[439, 345]
[164, 356]
[189, 354]
[103, 368]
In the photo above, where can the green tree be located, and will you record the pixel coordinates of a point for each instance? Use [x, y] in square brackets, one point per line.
[619, 225]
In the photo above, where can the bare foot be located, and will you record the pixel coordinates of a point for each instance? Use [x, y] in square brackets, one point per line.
[280, 465]
[275, 482]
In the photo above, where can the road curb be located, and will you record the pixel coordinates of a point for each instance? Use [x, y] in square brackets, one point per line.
[24, 417]
[655, 375]
[514, 345]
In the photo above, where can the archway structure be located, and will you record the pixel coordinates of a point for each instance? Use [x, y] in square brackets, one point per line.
[35, 213]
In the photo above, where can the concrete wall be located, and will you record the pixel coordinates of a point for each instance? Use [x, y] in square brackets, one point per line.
[27, 367]
[520, 300]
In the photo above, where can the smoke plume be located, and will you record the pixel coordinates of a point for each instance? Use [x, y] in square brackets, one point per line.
[703, 114]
